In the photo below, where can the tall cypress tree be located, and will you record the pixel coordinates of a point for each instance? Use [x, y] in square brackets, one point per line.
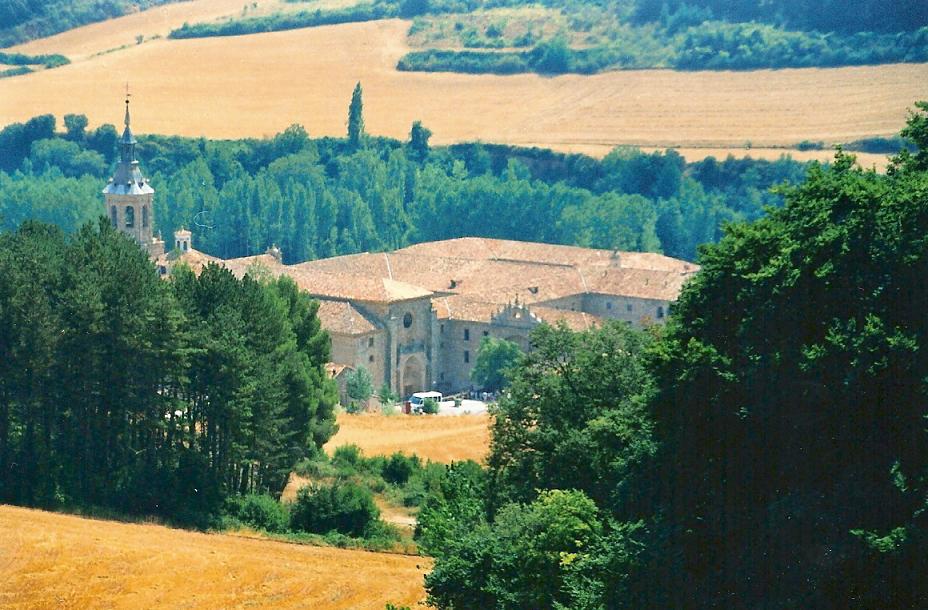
[355, 119]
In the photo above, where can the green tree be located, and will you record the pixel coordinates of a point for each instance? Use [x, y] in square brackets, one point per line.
[792, 401]
[342, 506]
[360, 385]
[419, 141]
[356, 119]
[495, 358]
[75, 124]
[388, 398]
[575, 417]
[522, 560]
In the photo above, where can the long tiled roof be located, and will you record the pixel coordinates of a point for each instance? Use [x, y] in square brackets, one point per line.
[471, 277]
[341, 317]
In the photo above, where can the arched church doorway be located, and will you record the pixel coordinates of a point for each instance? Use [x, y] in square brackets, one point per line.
[413, 377]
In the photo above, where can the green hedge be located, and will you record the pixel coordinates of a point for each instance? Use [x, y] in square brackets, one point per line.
[285, 21]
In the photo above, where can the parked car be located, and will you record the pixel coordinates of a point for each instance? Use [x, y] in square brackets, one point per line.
[417, 401]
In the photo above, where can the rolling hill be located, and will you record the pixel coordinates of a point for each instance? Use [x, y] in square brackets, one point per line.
[258, 84]
[49, 560]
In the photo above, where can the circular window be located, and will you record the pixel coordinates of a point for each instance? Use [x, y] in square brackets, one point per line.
[407, 320]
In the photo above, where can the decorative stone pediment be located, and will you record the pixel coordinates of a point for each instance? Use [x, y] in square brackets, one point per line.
[515, 314]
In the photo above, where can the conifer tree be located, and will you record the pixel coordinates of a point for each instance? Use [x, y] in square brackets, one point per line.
[355, 119]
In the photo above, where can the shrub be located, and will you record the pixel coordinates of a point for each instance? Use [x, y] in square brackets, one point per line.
[347, 455]
[430, 406]
[399, 468]
[343, 507]
[259, 511]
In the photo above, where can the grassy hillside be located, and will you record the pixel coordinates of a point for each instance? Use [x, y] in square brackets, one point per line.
[441, 439]
[22, 20]
[699, 113]
[49, 560]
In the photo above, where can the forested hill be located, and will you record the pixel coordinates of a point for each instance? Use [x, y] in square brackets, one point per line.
[22, 20]
[820, 15]
[325, 197]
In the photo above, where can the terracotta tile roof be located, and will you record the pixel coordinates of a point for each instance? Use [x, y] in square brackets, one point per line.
[641, 283]
[342, 318]
[575, 320]
[480, 248]
[467, 309]
[334, 369]
[366, 263]
[194, 259]
[240, 266]
[491, 271]
[354, 287]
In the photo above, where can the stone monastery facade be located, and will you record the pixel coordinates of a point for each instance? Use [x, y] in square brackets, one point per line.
[415, 317]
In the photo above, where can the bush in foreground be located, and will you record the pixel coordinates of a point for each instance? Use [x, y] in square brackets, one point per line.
[341, 506]
[259, 511]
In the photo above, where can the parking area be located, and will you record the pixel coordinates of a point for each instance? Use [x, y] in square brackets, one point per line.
[468, 407]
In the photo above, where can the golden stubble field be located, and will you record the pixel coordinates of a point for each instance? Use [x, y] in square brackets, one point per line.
[49, 560]
[440, 439]
[259, 84]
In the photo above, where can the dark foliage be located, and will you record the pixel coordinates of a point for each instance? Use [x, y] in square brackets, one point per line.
[317, 198]
[341, 506]
[121, 390]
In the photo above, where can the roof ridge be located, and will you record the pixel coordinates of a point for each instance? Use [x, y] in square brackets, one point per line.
[386, 257]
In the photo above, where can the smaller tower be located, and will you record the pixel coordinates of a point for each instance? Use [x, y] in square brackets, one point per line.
[182, 240]
[128, 197]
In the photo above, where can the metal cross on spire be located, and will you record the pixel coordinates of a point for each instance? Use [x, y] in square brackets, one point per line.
[127, 103]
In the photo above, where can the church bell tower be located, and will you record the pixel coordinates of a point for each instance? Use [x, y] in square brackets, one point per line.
[128, 197]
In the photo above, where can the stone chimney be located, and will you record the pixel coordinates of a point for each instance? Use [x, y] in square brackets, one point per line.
[276, 254]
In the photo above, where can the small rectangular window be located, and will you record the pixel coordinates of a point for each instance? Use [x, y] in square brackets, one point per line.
[486, 333]
[628, 307]
[467, 334]
[466, 356]
[370, 342]
[370, 358]
[609, 305]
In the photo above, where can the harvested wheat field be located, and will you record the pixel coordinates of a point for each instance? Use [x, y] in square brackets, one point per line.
[259, 84]
[49, 560]
[440, 439]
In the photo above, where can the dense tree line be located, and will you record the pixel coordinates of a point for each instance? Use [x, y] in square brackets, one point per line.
[767, 448]
[324, 197]
[705, 45]
[827, 16]
[121, 390]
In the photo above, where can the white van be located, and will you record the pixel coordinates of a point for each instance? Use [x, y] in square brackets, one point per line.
[417, 400]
